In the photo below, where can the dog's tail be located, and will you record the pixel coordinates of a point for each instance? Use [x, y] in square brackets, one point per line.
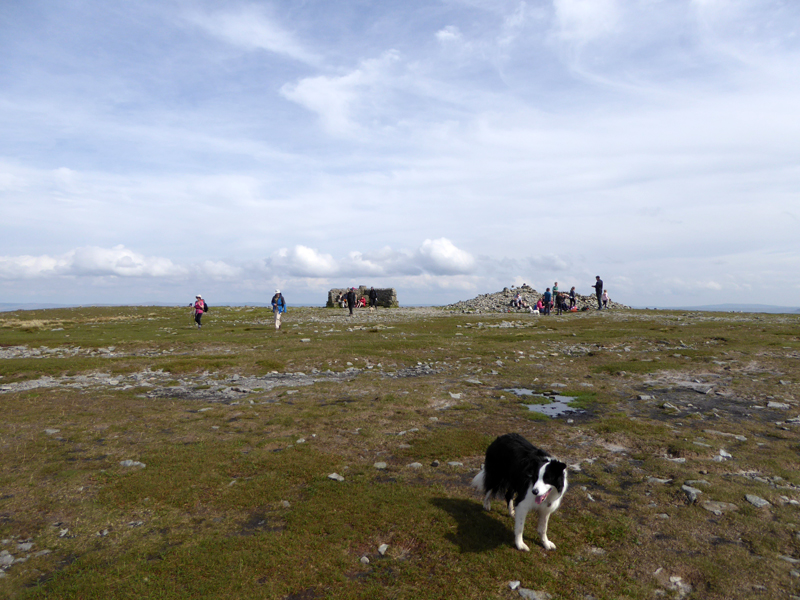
[477, 483]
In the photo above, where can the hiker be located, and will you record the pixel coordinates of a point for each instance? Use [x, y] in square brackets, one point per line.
[351, 299]
[598, 290]
[605, 299]
[561, 305]
[555, 294]
[547, 299]
[199, 309]
[373, 298]
[278, 307]
[540, 306]
[572, 300]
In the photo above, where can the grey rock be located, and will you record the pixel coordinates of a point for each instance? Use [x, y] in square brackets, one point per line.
[25, 546]
[756, 501]
[6, 559]
[380, 465]
[657, 480]
[789, 559]
[415, 465]
[364, 560]
[691, 493]
[719, 508]
[696, 482]
[513, 585]
[455, 463]
[533, 594]
[132, 463]
[382, 549]
[780, 405]
[335, 477]
[51, 431]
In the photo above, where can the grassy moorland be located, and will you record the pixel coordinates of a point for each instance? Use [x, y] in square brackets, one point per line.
[239, 426]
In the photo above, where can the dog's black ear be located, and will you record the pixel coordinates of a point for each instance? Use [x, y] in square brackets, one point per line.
[556, 474]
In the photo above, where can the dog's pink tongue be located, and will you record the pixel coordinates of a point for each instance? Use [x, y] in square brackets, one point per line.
[540, 499]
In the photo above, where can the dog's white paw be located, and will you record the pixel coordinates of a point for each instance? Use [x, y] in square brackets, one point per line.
[548, 545]
[523, 546]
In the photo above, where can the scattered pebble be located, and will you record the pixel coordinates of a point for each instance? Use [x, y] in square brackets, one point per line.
[380, 465]
[415, 465]
[132, 463]
[364, 560]
[382, 549]
[335, 477]
[512, 585]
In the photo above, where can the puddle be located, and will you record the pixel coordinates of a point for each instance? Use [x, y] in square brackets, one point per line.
[559, 405]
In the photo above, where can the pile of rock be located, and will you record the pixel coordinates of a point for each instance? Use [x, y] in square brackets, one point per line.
[501, 301]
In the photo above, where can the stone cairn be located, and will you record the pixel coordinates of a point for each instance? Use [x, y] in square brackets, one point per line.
[501, 301]
[387, 297]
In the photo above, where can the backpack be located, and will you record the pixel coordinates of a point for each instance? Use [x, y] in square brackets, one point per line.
[205, 306]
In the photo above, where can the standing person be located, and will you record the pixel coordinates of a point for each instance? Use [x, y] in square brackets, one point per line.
[573, 301]
[598, 290]
[555, 293]
[547, 298]
[351, 299]
[373, 298]
[605, 298]
[561, 304]
[278, 307]
[199, 309]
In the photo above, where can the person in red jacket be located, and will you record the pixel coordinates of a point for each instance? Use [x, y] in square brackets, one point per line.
[199, 309]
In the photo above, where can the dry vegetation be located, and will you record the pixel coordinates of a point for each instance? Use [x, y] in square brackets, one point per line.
[235, 499]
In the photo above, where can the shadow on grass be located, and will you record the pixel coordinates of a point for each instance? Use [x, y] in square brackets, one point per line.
[477, 530]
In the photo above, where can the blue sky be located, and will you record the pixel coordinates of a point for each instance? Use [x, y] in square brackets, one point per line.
[150, 151]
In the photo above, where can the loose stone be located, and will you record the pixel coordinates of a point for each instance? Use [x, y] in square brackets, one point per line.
[335, 477]
[533, 594]
[756, 501]
[719, 508]
[380, 465]
[383, 548]
[691, 493]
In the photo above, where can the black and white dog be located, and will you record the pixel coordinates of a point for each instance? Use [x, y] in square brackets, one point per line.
[530, 479]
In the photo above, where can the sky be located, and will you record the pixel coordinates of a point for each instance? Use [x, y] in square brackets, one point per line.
[154, 150]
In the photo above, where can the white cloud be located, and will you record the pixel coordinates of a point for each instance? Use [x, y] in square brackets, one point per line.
[336, 98]
[119, 261]
[250, 28]
[583, 21]
[442, 257]
[448, 34]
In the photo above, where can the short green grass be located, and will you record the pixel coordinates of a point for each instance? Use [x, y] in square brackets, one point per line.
[236, 502]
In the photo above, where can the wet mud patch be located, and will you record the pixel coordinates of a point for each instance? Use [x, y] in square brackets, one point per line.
[260, 521]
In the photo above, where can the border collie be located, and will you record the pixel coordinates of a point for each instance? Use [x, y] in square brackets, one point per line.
[530, 479]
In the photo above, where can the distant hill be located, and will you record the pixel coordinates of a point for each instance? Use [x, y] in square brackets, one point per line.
[754, 308]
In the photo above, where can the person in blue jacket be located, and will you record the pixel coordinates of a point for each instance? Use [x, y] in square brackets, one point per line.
[548, 297]
[278, 307]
